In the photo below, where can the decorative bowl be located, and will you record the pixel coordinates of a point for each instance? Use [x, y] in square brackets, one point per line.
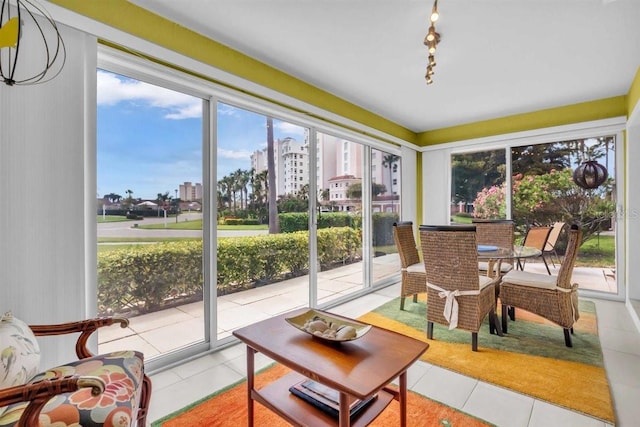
[337, 329]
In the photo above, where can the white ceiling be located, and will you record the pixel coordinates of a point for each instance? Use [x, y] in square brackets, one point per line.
[496, 57]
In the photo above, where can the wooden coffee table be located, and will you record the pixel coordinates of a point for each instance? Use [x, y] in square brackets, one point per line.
[359, 368]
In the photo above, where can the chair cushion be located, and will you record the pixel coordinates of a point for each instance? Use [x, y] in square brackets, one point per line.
[504, 267]
[19, 352]
[416, 268]
[123, 374]
[486, 281]
[535, 280]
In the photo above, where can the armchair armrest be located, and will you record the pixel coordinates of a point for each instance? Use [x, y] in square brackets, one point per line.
[39, 393]
[85, 327]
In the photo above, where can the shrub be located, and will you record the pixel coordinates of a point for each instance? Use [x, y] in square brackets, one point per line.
[146, 277]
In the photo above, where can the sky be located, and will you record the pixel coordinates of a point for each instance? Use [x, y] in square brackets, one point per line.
[150, 138]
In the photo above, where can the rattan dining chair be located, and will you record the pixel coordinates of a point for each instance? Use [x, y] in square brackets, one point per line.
[553, 297]
[536, 237]
[414, 278]
[495, 232]
[457, 295]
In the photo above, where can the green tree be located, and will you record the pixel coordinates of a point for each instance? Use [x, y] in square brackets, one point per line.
[355, 190]
[471, 172]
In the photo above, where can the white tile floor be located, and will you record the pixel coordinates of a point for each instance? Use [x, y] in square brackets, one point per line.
[177, 387]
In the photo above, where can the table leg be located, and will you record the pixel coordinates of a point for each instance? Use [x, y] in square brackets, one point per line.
[402, 399]
[345, 419]
[250, 384]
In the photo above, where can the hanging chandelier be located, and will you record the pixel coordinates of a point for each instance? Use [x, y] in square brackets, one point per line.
[26, 25]
[431, 40]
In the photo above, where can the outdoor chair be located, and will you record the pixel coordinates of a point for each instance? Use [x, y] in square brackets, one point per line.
[96, 390]
[536, 237]
[550, 296]
[414, 278]
[550, 247]
[495, 232]
[457, 295]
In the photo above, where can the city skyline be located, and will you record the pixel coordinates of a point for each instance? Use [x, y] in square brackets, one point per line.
[150, 138]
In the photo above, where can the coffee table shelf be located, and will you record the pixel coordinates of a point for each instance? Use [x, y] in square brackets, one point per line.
[276, 396]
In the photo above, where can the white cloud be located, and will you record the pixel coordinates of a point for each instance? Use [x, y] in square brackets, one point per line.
[231, 154]
[289, 128]
[112, 90]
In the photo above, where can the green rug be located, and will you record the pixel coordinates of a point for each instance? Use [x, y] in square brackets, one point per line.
[531, 359]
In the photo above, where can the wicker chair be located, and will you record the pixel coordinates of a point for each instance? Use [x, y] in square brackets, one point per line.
[414, 279]
[550, 247]
[495, 232]
[536, 237]
[450, 256]
[552, 297]
[96, 390]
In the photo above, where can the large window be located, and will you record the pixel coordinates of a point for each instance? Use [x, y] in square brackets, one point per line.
[537, 188]
[216, 210]
[149, 213]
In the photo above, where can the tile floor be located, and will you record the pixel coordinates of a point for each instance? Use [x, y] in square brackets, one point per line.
[181, 385]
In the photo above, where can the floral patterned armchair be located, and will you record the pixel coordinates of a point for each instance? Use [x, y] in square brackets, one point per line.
[96, 390]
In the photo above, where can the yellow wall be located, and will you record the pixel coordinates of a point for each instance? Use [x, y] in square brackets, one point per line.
[633, 98]
[586, 111]
[134, 20]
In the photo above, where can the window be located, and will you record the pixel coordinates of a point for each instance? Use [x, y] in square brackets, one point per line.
[149, 174]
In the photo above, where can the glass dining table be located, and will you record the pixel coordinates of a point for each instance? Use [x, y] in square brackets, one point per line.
[495, 255]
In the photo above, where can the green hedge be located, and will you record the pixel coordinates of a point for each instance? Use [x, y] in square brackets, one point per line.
[382, 223]
[147, 277]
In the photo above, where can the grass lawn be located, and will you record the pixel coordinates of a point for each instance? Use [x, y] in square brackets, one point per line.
[598, 252]
[106, 244]
[113, 218]
[197, 225]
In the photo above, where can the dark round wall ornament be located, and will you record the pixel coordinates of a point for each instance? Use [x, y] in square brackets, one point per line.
[590, 174]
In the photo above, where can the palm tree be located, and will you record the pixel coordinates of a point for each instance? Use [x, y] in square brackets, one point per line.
[390, 161]
[228, 187]
[274, 226]
[129, 198]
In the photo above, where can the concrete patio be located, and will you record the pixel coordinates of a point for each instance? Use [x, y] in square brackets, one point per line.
[176, 327]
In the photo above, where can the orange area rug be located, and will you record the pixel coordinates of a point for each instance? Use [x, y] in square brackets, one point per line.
[229, 408]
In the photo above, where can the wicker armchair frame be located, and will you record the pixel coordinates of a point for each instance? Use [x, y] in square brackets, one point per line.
[450, 255]
[413, 282]
[38, 394]
[559, 305]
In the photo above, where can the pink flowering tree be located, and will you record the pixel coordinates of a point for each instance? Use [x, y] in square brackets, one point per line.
[546, 198]
[490, 203]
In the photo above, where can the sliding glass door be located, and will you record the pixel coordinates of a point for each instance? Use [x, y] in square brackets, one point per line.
[214, 211]
[263, 201]
[149, 214]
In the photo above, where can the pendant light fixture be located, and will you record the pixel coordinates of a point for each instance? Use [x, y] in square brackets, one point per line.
[24, 24]
[431, 40]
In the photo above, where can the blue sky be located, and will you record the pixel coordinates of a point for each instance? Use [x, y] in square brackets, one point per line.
[150, 138]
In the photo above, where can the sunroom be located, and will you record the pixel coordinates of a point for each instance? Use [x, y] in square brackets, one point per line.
[511, 81]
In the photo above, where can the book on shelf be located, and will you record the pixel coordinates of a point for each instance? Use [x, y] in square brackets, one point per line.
[326, 398]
